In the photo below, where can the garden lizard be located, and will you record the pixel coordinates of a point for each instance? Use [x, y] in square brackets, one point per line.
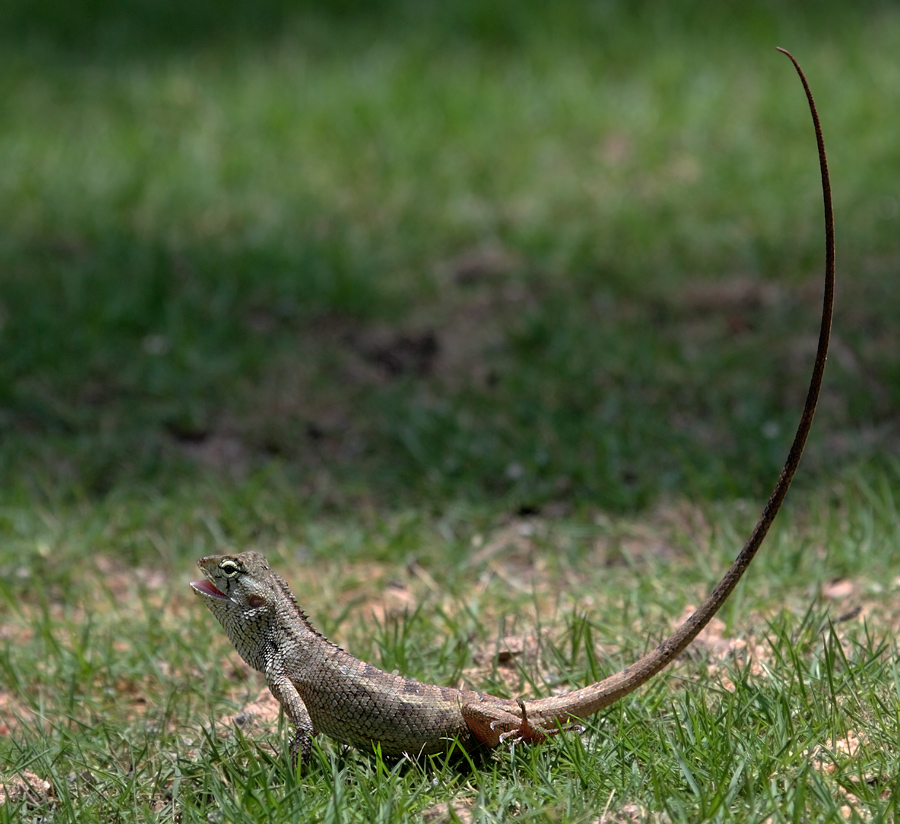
[324, 689]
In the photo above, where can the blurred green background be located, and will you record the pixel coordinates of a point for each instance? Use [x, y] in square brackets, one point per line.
[409, 254]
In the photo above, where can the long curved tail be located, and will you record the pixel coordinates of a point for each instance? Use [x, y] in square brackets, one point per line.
[590, 699]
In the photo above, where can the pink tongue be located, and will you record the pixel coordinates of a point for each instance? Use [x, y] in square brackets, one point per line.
[208, 588]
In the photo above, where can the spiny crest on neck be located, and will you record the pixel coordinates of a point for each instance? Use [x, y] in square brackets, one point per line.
[298, 610]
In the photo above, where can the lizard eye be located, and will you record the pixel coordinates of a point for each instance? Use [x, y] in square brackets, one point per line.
[229, 568]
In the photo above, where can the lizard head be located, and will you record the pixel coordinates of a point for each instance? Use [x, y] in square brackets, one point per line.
[240, 591]
[234, 582]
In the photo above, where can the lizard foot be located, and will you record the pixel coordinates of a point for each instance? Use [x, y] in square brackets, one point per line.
[528, 733]
[301, 748]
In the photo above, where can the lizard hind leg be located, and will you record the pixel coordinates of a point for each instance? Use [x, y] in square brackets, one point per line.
[493, 725]
[529, 733]
[526, 732]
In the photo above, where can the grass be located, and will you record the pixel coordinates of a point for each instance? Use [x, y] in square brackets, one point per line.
[489, 327]
[120, 683]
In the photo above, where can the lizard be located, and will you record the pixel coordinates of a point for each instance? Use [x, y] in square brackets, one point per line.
[324, 689]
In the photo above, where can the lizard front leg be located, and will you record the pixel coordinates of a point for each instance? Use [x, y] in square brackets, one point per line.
[286, 693]
[499, 723]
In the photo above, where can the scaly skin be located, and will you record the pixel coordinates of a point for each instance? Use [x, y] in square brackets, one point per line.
[324, 689]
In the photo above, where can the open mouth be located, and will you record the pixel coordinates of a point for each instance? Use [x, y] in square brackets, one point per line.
[208, 588]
